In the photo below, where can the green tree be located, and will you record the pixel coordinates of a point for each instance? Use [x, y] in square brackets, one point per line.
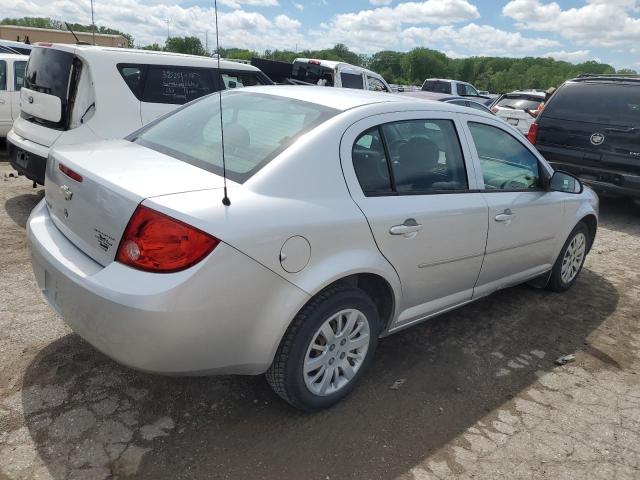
[189, 45]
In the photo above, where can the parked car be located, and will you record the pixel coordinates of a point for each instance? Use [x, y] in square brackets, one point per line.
[591, 128]
[18, 48]
[326, 73]
[450, 87]
[512, 107]
[80, 93]
[453, 99]
[352, 215]
[11, 79]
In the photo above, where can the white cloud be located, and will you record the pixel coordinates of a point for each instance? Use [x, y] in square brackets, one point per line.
[379, 28]
[479, 39]
[298, 6]
[252, 3]
[285, 23]
[146, 22]
[380, 2]
[573, 57]
[604, 23]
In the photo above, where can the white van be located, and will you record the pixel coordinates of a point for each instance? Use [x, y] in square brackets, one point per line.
[11, 78]
[81, 93]
[330, 73]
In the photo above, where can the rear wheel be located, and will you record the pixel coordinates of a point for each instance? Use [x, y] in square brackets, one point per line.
[571, 259]
[326, 350]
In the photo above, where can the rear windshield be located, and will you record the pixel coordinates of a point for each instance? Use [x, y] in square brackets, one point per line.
[436, 86]
[607, 103]
[519, 102]
[257, 128]
[48, 71]
[312, 73]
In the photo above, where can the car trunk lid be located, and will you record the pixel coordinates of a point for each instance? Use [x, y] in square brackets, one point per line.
[93, 211]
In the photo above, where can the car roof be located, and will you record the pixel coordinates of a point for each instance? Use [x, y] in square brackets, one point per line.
[15, 56]
[151, 56]
[347, 98]
[438, 97]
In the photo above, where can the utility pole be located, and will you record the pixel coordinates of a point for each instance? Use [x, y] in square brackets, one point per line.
[206, 41]
[167, 20]
[93, 25]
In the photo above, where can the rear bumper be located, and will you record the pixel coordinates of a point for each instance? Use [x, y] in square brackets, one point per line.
[28, 158]
[225, 315]
[601, 179]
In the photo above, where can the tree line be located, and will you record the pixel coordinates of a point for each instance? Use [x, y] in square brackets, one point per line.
[495, 74]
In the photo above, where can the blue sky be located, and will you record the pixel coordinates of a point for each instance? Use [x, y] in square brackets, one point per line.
[573, 30]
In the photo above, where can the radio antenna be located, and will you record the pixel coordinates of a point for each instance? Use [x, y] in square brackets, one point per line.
[225, 200]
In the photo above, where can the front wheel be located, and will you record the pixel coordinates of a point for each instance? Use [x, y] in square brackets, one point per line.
[326, 350]
[570, 261]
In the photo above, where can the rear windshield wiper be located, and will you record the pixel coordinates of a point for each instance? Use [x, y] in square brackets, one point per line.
[621, 130]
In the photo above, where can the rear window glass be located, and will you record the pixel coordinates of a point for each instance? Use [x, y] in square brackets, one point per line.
[436, 86]
[240, 79]
[257, 128]
[177, 85]
[48, 71]
[607, 103]
[3, 75]
[519, 102]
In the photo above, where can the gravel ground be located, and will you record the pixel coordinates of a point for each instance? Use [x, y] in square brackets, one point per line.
[476, 393]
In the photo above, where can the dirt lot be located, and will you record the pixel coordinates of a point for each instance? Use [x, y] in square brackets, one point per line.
[478, 393]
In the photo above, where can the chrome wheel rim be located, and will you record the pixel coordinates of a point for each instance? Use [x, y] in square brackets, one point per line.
[336, 352]
[573, 257]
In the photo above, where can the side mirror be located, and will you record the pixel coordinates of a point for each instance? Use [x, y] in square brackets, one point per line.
[565, 182]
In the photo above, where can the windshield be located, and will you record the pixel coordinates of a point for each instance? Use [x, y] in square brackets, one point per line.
[597, 102]
[520, 102]
[312, 73]
[257, 128]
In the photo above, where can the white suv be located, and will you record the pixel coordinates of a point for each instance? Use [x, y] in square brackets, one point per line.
[450, 87]
[79, 93]
[11, 78]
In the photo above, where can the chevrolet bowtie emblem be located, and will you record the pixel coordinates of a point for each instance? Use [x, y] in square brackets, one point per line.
[66, 191]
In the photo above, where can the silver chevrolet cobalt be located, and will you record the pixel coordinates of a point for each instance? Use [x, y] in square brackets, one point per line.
[352, 215]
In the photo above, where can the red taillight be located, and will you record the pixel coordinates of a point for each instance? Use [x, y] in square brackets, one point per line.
[533, 133]
[70, 173]
[314, 62]
[156, 242]
[44, 44]
[495, 110]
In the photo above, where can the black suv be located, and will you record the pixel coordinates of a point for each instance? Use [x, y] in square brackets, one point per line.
[591, 127]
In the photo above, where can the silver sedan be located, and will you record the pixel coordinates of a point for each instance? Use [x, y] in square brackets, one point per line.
[351, 216]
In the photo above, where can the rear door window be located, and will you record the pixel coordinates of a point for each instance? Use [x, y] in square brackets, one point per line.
[177, 85]
[133, 76]
[352, 80]
[596, 102]
[465, 89]
[18, 75]
[425, 156]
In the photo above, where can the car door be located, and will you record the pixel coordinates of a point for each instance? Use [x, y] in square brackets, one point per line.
[5, 99]
[524, 218]
[409, 174]
[18, 80]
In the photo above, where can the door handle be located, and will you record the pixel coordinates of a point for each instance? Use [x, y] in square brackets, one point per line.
[409, 228]
[504, 217]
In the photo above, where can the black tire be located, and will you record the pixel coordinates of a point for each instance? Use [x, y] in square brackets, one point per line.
[556, 283]
[286, 376]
